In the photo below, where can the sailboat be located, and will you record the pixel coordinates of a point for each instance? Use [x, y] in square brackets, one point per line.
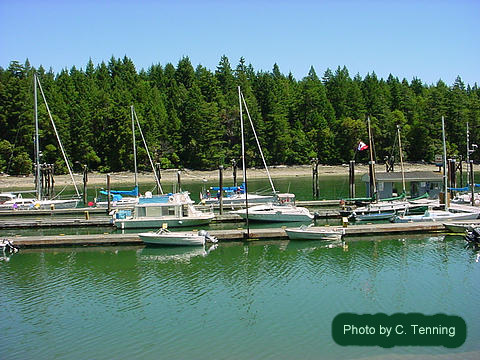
[283, 209]
[438, 215]
[40, 202]
[385, 209]
[129, 198]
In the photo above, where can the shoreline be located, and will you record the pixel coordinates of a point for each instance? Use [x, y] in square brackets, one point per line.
[9, 183]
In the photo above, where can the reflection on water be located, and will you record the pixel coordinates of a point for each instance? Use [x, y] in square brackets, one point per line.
[262, 299]
[174, 253]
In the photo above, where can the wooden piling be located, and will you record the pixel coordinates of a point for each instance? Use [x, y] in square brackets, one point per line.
[179, 180]
[158, 170]
[472, 183]
[315, 191]
[109, 205]
[220, 185]
[351, 178]
[85, 181]
[234, 169]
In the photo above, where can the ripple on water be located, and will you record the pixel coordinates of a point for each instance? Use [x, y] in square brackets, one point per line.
[258, 300]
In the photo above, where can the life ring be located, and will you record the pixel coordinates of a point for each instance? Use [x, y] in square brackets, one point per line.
[170, 198]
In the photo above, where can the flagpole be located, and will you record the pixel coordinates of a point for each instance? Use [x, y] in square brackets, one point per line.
[372, 160]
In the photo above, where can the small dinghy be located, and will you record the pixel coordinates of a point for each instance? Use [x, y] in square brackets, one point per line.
[165, 237]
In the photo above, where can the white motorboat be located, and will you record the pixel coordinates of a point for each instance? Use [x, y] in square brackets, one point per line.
[461, 226]
[372, 216]
[276, 213]
[435, 215]
[175, 210]
[283, 210]
[165, 237]
[315, 233]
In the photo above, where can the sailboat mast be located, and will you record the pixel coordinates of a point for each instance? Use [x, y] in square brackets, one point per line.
[401, 159]
[244, 162]
[241, 130]
[37, 143]
[134, 147]
[468, 155]
[58, 138]
[372, 161]
[259, 147]
[445, 170]
[157, 180]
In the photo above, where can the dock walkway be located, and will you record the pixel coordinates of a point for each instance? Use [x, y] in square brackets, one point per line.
[221, 235]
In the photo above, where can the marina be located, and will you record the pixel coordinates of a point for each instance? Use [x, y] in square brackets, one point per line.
[223, 235]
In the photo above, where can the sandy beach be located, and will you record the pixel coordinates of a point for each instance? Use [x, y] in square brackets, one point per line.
[9, 183]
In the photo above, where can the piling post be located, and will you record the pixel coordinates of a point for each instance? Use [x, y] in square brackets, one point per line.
[351, 178]
[179, 180]
[460, 168]
[314, 162]
[472, 183]
[85, 181]
[371, 166]
[220, 185]
[158, 170]
[53, 180]
[234, 168]
[452, 175]
[109, 208]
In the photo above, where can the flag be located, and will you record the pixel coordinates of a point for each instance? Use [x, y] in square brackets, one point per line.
[362, 146]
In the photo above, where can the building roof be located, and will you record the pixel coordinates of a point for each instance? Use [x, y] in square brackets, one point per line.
[418, 176]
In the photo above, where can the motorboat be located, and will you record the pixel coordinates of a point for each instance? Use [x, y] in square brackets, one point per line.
[435, 215]
[166, 237]
[175, 210]
[315, 233]
[461, 226]
[283, 210]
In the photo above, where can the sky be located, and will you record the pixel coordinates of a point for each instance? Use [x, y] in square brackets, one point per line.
[429, 40]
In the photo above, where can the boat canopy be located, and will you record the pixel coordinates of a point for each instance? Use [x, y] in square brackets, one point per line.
[133, 192]
[466, 188]
[234, 189]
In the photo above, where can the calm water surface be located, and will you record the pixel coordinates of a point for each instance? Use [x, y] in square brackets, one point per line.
[261, 300]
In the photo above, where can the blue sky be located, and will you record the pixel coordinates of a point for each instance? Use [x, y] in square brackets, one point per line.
[430, 40]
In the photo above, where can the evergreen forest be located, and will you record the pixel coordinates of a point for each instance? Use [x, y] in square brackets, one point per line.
[190, 115]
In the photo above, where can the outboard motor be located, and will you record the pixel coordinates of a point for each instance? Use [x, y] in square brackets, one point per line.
[7, 245]
[473, 236]
[208, 237]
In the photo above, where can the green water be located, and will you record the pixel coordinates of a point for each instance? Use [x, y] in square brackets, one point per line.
[261, 300]
[330, 187]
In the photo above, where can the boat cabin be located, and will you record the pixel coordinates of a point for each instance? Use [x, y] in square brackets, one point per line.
[172, 205]
[418, 183]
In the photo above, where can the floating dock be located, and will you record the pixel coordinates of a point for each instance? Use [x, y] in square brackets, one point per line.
[46, 221]
[221, 235]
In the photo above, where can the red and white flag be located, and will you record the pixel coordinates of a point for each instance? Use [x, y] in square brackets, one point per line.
[362, 146]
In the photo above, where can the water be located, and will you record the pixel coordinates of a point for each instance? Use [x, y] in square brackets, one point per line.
[330, 187]
[260, 300]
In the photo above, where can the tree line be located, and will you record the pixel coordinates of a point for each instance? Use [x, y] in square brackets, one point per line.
[190, 116]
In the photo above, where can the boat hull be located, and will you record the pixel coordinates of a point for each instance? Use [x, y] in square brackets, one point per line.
[276, 213]
[441, 217]
[461, 227]
[172, 239]
[147, 223]
[373, 216]
[314, 234]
